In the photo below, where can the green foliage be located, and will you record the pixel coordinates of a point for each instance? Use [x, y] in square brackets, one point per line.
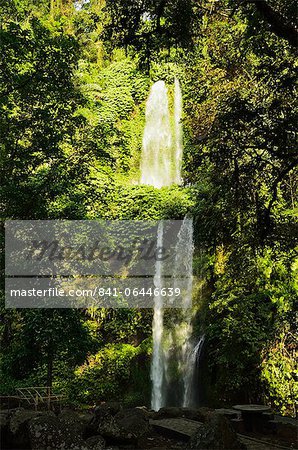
[246, 316]
[115, 97]
[240, 159]
[279, 372]
[73, 88]
[148, 203]
[38, 99]
[42, 337]
[149, 27]
[105, 375]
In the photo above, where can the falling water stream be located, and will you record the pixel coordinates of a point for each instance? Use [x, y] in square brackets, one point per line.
[191, 362]
[162, 145]
[158, 363]
[161, 163]
[178, 109]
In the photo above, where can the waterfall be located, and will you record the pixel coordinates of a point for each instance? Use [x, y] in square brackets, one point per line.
[156, 157]
[181, 338]
[161, 163]
[183, 261]
[183, 267]
[178, 108]
[162, 147]
[158, 360]
[192, 364]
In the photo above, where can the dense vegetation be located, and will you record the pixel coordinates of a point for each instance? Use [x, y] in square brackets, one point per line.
[74, 81]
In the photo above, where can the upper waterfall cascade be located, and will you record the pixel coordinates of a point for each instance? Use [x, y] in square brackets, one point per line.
[162, 147]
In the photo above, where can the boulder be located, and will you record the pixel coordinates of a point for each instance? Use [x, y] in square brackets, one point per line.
[228, 413]
[199, 414]
[134, 421]
[168, 412]
[96, 443]
[4, 419]
[113, 432]
[85, 418]
[19, 426]
[216, 434]
[4, 427]
[74, 420]
[107, 407]
[49, 433]
[285, 428]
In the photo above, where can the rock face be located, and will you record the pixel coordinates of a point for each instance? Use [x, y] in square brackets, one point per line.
[108, 407]
[199, 414]
[113, 432]
[134, 421]
[49, 433]
[5, 416]
[96, 443]
[215, 434]
[168, 412]
[42, 430]
[19, 434]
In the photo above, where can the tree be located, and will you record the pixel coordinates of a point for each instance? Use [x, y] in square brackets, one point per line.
[282, 25]
[38, 102]
[44, 336]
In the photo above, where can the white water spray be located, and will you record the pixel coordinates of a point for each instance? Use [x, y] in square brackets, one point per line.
[183, 267]
[162, 148]
[183, 261]
[191, 363]
[178, 109]
[158, 361]
[157, 140]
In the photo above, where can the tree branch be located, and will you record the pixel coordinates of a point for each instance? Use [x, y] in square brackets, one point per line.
[278, 23]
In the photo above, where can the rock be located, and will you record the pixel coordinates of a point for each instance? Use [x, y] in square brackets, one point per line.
[72, 420]
[228, 413]
[110, 429]
[157, 448]
[96, 443]
[20, 417]
[106, 424]
[199, 414]
[216, 434]
[4, 419]
[107, 407]
[285, 428]
[168, 412]
[134, 421]
[49, 433]
[85, 418]
[19, 426]
[4, 427]
[150, 413]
